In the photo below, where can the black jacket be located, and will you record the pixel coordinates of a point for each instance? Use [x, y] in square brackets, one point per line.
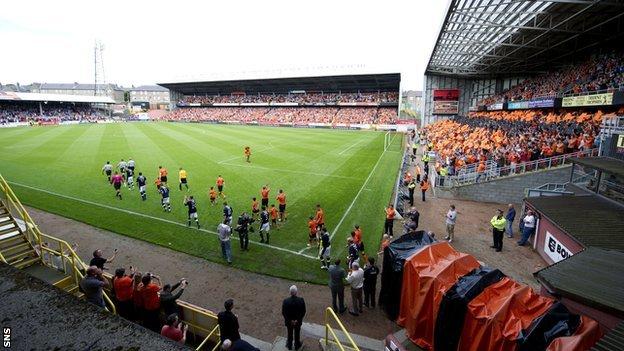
[370, 277]
[228, 326]
[168, 300]
[293, 309]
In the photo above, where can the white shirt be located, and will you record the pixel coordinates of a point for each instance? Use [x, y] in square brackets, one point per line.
[224, 232]
[356, 279]
[529, 221]
[451, 217]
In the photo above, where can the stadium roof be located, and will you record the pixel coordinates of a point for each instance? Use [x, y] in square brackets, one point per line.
[347, 83]
[11, 96]
[507, 37]
[76, 86]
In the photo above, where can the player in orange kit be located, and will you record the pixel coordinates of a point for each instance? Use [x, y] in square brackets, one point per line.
[247, 153]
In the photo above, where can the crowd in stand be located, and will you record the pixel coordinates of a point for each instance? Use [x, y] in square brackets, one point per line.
[13, 113]
[302, 98]
[509, 138]
[601, 73]
[296, 115]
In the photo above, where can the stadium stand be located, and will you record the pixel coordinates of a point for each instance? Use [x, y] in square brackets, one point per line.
[348, 100]
[511, 137]
[29, 112]
[603, 73]
[280, 115]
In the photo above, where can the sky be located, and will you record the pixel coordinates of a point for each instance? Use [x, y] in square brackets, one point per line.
[147, 42]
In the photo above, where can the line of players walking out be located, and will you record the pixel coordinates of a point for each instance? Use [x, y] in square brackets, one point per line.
[268, 215]
[124, 172]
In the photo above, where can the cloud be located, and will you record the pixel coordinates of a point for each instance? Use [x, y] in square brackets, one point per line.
[155, 41]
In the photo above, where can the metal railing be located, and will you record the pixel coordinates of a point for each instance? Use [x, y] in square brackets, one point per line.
[330, 316]
[520, 168]
[35, 237]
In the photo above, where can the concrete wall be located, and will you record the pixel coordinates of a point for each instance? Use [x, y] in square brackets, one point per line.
[505, 190]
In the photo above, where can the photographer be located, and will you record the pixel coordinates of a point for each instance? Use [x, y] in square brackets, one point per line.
[243, 228]
[174, 329]
[92, 285]
[168, 298]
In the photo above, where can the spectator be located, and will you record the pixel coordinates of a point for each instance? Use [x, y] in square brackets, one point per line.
[424, 186]
[168, 298]
[451, 218]
[123, 286]
[528, 227]
[174, 329]
[151, 301]
[390, 214]
[371, 271]
[238, 345]
[510, 216]
[99, 261]
[137, 297]
[410, 188]
[498, 228]
[228, 322]
[225, 232]
[336, 285]
[414, 216]
[243, 228]
[293, 311]
[92, 285]
[356, 279]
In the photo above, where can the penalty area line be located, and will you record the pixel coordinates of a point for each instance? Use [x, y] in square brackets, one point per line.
[150, 217]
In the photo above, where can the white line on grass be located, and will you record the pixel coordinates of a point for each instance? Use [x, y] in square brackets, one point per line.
[148, 216]
[357, 142]
[355, 198]
[358, 194]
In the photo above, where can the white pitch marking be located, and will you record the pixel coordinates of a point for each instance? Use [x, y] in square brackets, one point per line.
[358, 193]
[357, 142]
[148, 216]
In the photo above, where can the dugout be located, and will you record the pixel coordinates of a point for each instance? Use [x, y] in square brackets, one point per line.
[394, 259]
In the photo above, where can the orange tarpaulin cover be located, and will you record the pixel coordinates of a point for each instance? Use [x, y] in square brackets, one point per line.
[587, 335]
[497, 315]
[427, 275]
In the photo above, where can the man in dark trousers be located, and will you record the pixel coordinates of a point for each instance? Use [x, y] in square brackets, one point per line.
[293, 310]
[371, 271]
[228, 322]
[337, 276]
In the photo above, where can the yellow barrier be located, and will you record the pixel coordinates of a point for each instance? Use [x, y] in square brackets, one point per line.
[34, 237]
[202, 322]
[331, 315]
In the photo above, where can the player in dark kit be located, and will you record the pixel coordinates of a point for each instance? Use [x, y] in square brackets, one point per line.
[164, 192]
[192, 211]
[264, 225]
[117, 179]
[142, 183]
[325, 248]
[130, 178]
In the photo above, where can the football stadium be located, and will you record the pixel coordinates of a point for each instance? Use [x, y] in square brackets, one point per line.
[328, 209]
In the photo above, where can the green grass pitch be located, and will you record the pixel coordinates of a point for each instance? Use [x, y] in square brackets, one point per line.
[58, 169]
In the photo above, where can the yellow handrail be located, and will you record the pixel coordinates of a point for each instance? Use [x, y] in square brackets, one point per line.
[36, 235]
[208, 338]
[329, 312]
